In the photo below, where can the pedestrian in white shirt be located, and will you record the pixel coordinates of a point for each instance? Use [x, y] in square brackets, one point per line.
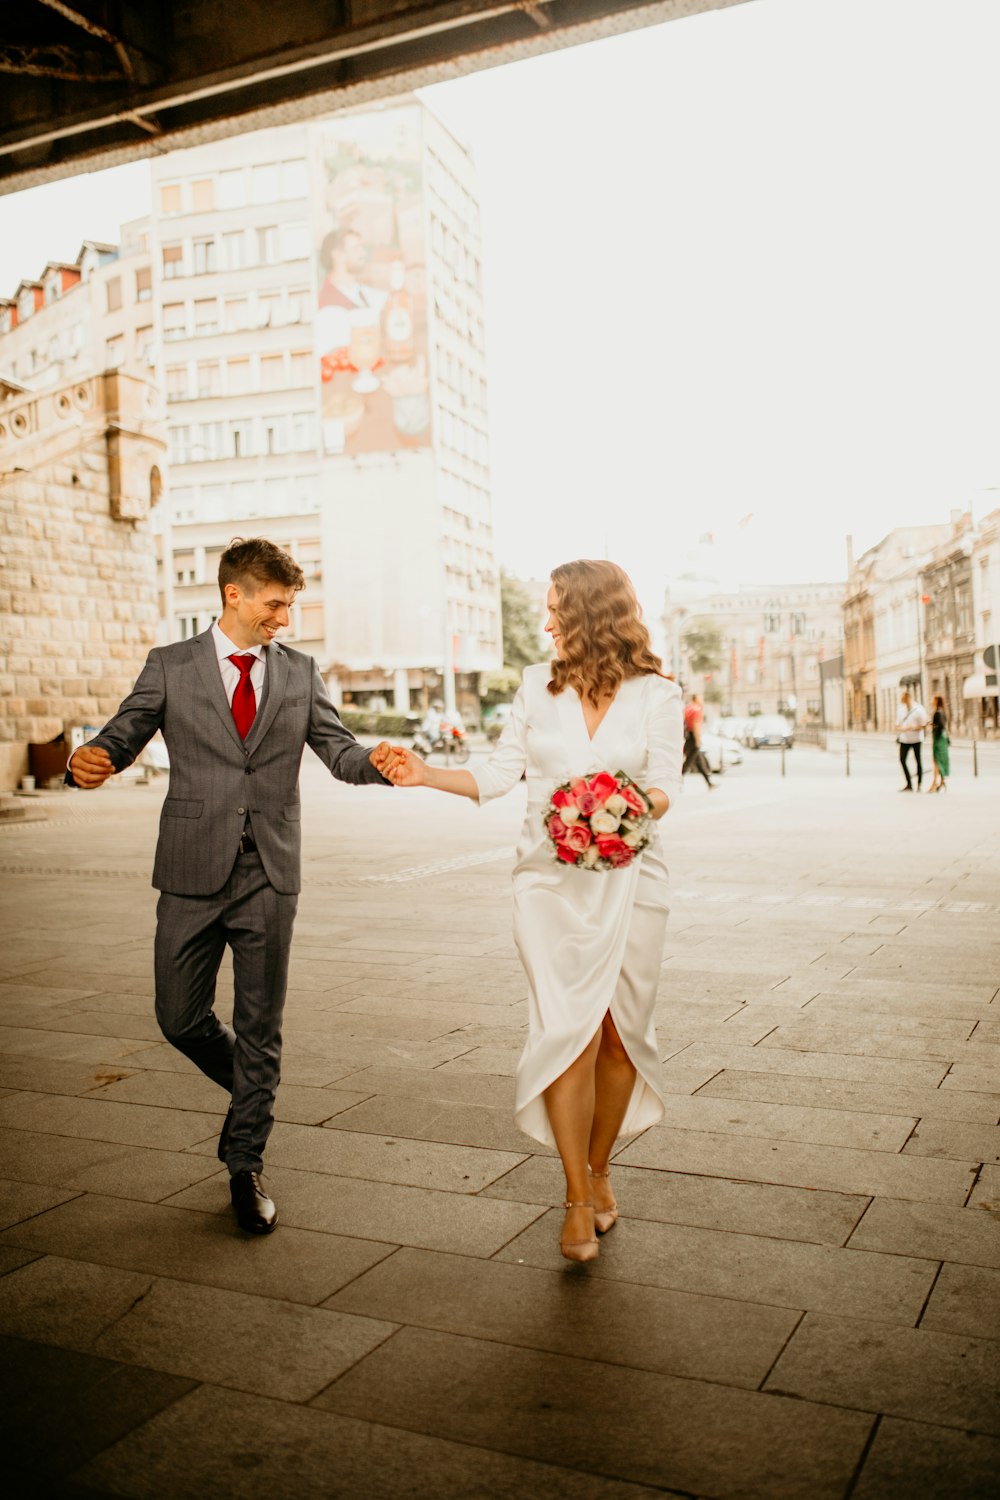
[910, 724]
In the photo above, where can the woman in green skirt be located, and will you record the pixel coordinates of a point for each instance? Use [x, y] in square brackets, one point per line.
[942, 763]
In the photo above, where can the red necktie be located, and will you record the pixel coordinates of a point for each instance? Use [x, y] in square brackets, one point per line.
[244, 698]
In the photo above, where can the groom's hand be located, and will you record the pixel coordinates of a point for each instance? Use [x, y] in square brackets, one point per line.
[404, 768]
[382, 756]
[91, 766]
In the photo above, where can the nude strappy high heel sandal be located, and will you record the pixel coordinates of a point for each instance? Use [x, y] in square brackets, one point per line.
[579, 1250]
[605, 1218]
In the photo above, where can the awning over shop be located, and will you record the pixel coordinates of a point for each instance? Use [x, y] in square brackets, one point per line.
[977, 686]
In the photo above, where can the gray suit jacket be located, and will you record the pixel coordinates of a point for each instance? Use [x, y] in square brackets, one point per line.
[217, 780]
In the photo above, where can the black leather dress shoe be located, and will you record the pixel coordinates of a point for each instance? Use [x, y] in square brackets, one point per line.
[227, 1126]
[254, 1210]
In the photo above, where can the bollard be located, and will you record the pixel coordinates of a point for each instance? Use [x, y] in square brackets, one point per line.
[847, 757]
[975, 758]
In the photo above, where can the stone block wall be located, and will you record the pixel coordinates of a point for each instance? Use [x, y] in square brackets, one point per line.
[79, 469]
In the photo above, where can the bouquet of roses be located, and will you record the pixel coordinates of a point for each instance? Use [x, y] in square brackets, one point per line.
[598, 822]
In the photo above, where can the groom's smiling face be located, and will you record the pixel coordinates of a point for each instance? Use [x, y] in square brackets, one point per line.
[254, 618]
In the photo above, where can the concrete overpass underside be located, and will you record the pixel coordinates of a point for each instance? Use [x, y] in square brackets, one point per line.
[86, 84]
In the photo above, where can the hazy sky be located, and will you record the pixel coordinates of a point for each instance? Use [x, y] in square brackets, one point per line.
[740, 264]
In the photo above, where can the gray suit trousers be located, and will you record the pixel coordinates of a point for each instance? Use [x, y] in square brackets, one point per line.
[192, 932]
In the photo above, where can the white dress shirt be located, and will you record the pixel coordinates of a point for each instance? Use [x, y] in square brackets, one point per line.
[910, 725]
[224, 648]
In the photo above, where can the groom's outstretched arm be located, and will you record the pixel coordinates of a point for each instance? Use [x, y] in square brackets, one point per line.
[334, 743]
[124, 735]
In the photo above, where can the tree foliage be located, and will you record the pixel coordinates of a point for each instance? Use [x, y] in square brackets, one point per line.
[522, 642]
[703, 643]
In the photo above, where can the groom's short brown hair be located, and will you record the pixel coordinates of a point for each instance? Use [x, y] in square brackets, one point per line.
[258, 561]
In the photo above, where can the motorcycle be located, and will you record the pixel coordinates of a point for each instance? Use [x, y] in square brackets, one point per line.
[450, 741]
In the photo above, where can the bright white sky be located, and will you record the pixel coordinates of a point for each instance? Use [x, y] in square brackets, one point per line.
[744, 263]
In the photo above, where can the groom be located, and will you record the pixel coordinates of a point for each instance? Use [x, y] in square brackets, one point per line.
[236, 710]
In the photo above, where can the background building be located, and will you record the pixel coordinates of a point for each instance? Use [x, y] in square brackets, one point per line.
[771, 641]
[79, 473]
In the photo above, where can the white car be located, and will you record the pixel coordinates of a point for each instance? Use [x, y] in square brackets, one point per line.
[720, 751]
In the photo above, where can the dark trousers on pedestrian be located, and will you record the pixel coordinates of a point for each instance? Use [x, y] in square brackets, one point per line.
[695, 758]
[192, 933]
[904, 751]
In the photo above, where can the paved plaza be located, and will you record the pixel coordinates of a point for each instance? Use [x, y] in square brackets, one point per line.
[801, 1300]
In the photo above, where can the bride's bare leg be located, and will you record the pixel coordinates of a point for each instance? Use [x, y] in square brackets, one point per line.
[614, 1080]
[569, 1101]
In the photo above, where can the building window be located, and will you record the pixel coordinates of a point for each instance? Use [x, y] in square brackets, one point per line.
[276, 434]
[173, 261]
[144, 284]
[25, 305]
[170, 198]
[264, 183]
[272, 372]
[114, 352]
[267, 310]
[294, 179]
[177, 382]
[238, 376]
[301, 367]
[209, 378]
[174, 320]
[204, 256]
[237, 314]
[206, 315]
[232, 189]
[114, 290]
[234, 250]
[187, 626]
[203, 195]
[298, 305]
[267, 244]
[294, 241]
[144, 344]
[241, 439]
[303, 432]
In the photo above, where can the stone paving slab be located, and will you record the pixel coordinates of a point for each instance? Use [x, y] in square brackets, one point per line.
[299, 1266]
[779, 1088]
[951, 1138]
[103, 1120]
[641, 1327]
[98, 1166]
[780, 1273]
[965, 1299]
[786, 1122]
[946, 1463]
[198, 1447]
[934, 1230]
[835, 1168]
[296, 1103]
[904, 1372]
[628, 1424]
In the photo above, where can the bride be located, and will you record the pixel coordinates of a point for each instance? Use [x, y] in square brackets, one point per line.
[591, 941]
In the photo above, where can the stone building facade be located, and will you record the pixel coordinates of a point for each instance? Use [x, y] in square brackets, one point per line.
[80, 470]
[949, 625]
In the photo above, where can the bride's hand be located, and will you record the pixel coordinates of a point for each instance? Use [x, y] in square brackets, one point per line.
[405, 768]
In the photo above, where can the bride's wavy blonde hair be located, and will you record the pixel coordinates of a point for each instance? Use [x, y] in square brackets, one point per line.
[600, 623]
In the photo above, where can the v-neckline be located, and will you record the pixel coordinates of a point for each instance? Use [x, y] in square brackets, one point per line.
[600, 724]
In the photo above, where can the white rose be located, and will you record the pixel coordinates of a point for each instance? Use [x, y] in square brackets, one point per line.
[616, 804]
[633, 840]
[590, 856]
[604, 822]
[569, 815]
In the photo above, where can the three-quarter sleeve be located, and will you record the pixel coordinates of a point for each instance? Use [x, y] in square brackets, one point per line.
[666, 739]
[506, 764]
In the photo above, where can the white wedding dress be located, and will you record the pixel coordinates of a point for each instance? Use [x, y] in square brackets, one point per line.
[590, 941]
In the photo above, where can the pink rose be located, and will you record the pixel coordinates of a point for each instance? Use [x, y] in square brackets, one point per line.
[603, 786]
[557, 828]
[577, 838]
[635, 802]
[586, 802]
[564, 853]
[579, 784]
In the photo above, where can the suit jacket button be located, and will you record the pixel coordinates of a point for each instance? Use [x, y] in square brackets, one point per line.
[241, 809]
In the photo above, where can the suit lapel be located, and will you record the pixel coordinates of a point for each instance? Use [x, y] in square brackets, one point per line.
[208, 670]
[274, 691]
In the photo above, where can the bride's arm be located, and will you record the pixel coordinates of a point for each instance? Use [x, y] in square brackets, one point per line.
[666, 744]
[406, 769]
[503, 769]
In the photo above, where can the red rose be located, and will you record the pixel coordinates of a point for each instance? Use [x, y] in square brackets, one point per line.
[586, 802]
[557, 828]
[561, 798]
[569, 855]
[577, 838]
[578, 785]
[603, 786]
[609, 844]
[635, 802]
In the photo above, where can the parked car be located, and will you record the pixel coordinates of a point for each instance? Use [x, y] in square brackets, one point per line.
[732, 728]
[720, 751]
[769, 729]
